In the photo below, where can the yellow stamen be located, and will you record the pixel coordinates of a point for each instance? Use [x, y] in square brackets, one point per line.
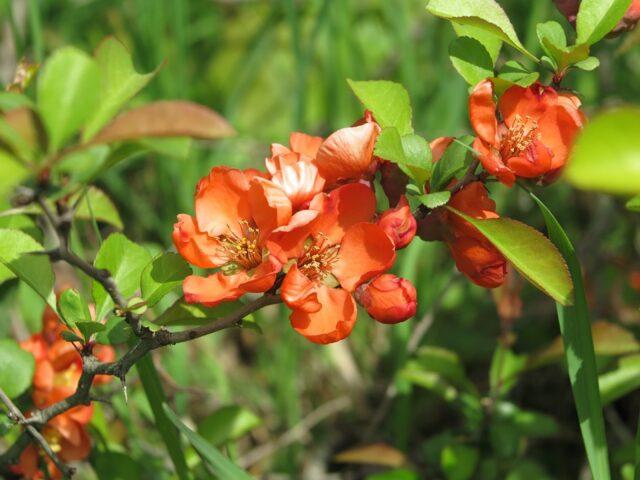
[318, 258]
[522, 133]
[243, 249]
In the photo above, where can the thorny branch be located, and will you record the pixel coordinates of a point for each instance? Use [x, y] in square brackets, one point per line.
[60, 224]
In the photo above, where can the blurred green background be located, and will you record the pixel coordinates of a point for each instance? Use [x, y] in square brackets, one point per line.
[272, 67]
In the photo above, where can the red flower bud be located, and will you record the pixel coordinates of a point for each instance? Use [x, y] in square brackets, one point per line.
[399, 223]
[479, 260]
[388, 299]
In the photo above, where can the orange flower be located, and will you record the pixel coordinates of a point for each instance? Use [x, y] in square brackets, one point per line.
[338, 247]
[347, 154]
[533, 139]
[388, 299]
[293, 169]
[474, 255]
[68, 438]
[236, 212]
[399, 223]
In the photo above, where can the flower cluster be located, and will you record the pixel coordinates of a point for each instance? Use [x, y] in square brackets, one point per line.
[57, 371]
[308, 226]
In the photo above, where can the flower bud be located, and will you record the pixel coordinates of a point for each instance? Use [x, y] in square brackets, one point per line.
[399, 224]
[479, 260]
[388, 299]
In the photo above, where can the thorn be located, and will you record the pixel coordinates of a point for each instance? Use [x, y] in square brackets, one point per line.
[124, 389]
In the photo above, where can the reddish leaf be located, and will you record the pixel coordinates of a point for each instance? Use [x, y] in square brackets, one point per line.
[376, 454]
[166, 119]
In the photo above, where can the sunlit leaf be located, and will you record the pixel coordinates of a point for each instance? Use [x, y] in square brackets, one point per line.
[471, 59]
[183, 313]
[96, 204]
[68, 89]
[227, 423]
[606, 156]
[596, 18]
[16, 368]
[485, 14]
[119, 82]
[388, 101]
[163, 274]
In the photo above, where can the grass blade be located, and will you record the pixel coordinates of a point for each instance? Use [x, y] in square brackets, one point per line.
[168, 432]
[575, 327]
[220, 465]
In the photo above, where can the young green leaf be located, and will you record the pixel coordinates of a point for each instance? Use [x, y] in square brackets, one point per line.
[606, 156]
[222, 467]
[119, 82]
[167, 118]
[73, 308]
[186, 314]
[485, 14]
[588, 64]
[575, 327]
[388, 101]
[125, 261]
[435, 199]
[454, 162]
[33, 269]
[622, 380]
[490, 42]
[16, 368]
[471, 59]
[596, 18]
[68, 89]
[90, 328]
[95, 204]
[634, 204]
[530, 252]
[458, 462]
[411, 153]
[513, 73]
[70, 336]
[227, 423]
[163, 274]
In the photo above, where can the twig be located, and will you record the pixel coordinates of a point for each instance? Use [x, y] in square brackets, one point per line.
[16, 415]
[297, 433]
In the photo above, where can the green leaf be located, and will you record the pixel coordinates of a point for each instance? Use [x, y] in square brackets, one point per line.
[222, 467]
[633, 204]
[90, 328]
[411, 153]
[397, 474]
[187, 314]
[388, 101]
[575, 328]
[436, 199]
[17, 261]
[73, 308]
[554, 43]
[95, 203]
[485, 14]
[447, 364]
[596, 18]
[163, 417]
[588, 64]
[455, 161]
[115, 465]
[621, 381]
[458, 462]
[68, 88]
[163, 274]
[119, 83]
[471, 59]
[606, 156]
[513, 73]
[16, 368]
[125, 261]
[504, 370]
[491, 43]
[12, 100]
[227, 423]
[530, 252]
[70, 336]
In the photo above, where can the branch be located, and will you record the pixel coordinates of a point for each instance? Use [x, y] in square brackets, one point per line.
[16, 415]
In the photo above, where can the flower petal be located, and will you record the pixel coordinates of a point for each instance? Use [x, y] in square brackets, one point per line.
[221, 200]
[262, 277]
[288, 241]
[270, 206]
[365, 252]
[196, 247]
[307, 145]
[482, 112]
[492, 162]
[298, 292]
[333, 322]
[300, 182]
[439, 146]
[348, 153]
[212, 290]
[534, 161]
